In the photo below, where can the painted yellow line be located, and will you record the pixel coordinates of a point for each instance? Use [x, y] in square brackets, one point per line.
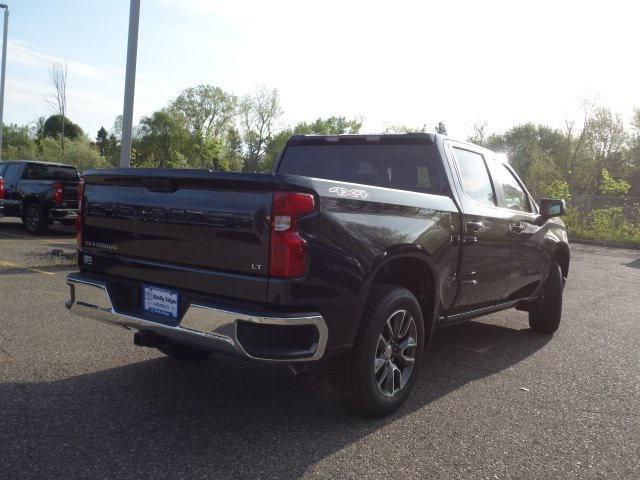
[5, 264]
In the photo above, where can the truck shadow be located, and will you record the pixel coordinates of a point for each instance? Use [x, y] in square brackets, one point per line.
[13, 226]
[220, 418]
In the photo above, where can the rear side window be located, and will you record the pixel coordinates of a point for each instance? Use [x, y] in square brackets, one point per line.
[403, 167]
[12, 172]
[475, 176]
[513, 195]
[36, 171]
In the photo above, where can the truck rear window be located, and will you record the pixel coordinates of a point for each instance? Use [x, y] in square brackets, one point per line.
[404, 167]
[36, 171]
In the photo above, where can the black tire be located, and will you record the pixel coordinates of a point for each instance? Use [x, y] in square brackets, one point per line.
[355, 377]
[183, 352]
[68, 223]
[35, 219]
[544, 316]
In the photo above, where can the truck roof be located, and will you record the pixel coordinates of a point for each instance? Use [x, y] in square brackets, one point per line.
[364, 139]
[38, 162]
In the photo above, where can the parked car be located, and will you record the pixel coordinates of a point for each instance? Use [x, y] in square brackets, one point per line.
[352, 252]
[39, 192]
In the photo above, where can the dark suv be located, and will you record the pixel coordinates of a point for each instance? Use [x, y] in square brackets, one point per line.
[39, 193]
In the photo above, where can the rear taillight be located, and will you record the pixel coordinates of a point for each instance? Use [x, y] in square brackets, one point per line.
[58, 192]
[79, 221]
[288, 251]
[1, 188]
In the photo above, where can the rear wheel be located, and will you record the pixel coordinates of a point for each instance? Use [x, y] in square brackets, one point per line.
[35, 219]
[544, 316]
[183, 352]
[379, 373]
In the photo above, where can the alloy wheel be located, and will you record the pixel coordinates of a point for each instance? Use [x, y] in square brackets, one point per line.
[395, 353]
[33, 218]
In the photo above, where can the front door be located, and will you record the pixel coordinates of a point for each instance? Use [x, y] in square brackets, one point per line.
[486, 236]
[528, 258]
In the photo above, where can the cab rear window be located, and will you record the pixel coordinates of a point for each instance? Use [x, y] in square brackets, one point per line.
[403, 167]
[35, 171]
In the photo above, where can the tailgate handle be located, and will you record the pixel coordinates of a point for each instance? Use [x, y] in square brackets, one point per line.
[160, 184]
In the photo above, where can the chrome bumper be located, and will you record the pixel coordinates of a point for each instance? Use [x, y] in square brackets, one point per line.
[63, 213]
[202, 326]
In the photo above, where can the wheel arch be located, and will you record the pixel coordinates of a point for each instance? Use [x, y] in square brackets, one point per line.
[562, 256]
[28, 200]
[414, 269]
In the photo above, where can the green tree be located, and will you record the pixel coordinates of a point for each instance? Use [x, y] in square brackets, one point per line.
[405, 129]
[206, 113]
[258, 112]
[159, 139]
[56, 125]
[611, 186]
[441, 128]
[101, 140]
[327, 126]
[633, 153]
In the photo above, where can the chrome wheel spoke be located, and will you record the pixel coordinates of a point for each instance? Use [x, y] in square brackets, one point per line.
[396, 320]
[379, 363]
[384, 373]
[406, 349]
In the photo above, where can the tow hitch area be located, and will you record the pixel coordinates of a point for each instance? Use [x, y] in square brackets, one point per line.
[149, 339]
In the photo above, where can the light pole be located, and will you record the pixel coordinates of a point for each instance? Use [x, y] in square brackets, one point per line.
[4, 68]
[129, 84]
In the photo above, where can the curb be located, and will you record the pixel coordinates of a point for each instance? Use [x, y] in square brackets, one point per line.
[602, 243]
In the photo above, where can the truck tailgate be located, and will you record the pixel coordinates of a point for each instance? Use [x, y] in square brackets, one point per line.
[213, 223]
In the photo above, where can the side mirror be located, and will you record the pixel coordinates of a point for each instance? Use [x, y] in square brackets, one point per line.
[551, 207]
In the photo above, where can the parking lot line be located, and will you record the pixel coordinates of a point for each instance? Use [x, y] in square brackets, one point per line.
[4, 263]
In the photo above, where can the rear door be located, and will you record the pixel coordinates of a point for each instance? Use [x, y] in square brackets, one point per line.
[486, 235]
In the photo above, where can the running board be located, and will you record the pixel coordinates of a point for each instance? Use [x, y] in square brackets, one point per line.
[479, 312]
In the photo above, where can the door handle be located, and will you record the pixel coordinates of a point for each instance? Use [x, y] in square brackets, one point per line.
[474, 226]
[517, 227]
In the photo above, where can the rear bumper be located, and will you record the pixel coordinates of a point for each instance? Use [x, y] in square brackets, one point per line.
[63, 213]
[258, 336]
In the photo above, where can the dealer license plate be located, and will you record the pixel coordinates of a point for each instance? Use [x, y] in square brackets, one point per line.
[161, 301]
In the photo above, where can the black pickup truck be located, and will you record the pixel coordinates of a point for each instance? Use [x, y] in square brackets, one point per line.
[351, 252]
[39, 193]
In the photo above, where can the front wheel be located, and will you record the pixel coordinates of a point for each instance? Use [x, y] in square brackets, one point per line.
[35, 219]
[379, 373]
[545, 315]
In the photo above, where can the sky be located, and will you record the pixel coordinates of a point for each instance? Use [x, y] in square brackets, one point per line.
[387, 63]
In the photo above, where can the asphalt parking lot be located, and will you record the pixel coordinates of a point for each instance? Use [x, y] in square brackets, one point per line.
[79, 400]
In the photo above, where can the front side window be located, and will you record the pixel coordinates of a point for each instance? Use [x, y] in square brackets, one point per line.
[475, 176]
[514, 197]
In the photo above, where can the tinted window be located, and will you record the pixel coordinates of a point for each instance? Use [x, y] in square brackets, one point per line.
[35, 171]
[475, 177]
[513, 194]
[405, 167]
[12, 172]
